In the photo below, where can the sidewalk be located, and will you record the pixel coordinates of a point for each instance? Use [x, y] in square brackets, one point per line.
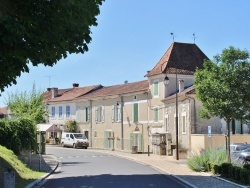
[165, 164]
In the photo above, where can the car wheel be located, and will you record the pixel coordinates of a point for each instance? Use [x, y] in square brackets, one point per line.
[74, 146]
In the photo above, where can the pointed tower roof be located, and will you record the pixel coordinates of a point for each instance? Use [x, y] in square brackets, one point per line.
[184, 57]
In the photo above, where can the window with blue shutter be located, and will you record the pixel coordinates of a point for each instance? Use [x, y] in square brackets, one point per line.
[135, 112]
[53, 111]
[156, 88]
[156, 114]
[67, 111]
[60, 111]
[102, 114]
[96, 114]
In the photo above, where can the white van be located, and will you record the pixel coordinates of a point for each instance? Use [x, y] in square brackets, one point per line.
[74, 140]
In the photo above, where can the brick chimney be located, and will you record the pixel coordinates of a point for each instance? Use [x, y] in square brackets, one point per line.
[54, 91]
[75, 85]
[181, 85]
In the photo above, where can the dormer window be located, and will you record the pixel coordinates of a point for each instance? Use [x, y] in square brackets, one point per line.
[156, 88]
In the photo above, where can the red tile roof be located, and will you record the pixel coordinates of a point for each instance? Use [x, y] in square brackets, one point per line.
[70, 94]
[183, 56]
[4, 110]
[118, 90]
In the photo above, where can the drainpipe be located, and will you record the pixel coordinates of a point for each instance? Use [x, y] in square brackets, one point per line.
[90, 122]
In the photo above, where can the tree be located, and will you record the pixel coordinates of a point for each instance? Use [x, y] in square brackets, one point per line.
[223, 87]
[71, 126]
[42, 32]
[28, 105]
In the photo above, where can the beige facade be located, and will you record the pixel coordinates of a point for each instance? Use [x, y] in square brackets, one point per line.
[143, 114]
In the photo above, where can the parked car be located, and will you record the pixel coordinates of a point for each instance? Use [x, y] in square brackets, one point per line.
[74, 140]
[244, 155]
[237, 147]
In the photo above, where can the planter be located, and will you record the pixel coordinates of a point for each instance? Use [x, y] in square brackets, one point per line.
[183, 153]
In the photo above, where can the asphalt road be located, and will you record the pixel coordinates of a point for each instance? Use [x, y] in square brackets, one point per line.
[81, 168]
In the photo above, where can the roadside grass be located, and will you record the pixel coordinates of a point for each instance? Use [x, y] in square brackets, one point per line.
[206, 160]
[23, 174]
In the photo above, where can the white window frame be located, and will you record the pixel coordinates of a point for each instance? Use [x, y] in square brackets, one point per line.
[156, 107]
[78, 114]
[53, 112]
[167, 123]
[67, 111]
[156, 82]
[184, 124]
[60, 113]
[116, 113]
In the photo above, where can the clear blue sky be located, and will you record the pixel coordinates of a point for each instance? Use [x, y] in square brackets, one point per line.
[132, 35]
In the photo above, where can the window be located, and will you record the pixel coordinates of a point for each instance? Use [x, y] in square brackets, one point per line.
[116, 113]
[67, 111]
[78, 113]
[60, 111]
[184, 124]
[156, 88]
[156, 114]
[87, 113]
[53, 111]
[167, 123]
[102, 114]
[135, 111]
[99, 114]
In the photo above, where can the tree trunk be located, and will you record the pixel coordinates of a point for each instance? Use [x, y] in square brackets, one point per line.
[228, 142]
[233, 126]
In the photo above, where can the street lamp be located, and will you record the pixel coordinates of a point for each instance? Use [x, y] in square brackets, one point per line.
[166, 82]
[176, 116]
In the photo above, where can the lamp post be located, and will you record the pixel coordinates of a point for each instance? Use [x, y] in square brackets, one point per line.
[176, 117]
[166, 82]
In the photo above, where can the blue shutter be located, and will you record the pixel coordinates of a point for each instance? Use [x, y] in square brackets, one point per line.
[139, 142]
[136, 112]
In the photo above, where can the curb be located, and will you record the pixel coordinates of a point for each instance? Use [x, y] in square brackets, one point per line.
[38, 181]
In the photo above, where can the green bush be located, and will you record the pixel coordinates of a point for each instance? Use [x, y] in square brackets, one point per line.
[246, 166]
[71, 126]
[216, 169]
[244, 174]
[224, 169]
[199, 163]
[207, 160]
[18, 134]
[237, 173]
[231, 171]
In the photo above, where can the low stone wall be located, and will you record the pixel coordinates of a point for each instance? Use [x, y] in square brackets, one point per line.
[201, 142]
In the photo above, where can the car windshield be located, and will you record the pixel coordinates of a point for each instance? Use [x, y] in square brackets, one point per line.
[81, 136]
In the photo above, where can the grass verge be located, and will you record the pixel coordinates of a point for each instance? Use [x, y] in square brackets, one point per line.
[23, 174]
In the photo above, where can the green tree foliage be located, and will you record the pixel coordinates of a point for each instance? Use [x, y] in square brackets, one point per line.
[42, 32]
[223, 86]
[18, 134]
[28, 105]
[71, 126]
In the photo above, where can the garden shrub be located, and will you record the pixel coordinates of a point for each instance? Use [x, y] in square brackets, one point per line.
[199, 163]
[244, 174]
[231, 171]
[246, 166]
[237, 173]
[224, 169]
